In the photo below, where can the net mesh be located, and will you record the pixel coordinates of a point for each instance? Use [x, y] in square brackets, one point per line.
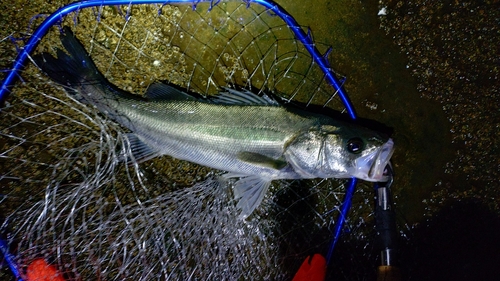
[66, 198]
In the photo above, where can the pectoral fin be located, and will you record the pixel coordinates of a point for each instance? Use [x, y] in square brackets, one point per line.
[261, 160]
[250, 191]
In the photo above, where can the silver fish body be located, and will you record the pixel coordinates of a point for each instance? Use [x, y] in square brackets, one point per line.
[251, 137]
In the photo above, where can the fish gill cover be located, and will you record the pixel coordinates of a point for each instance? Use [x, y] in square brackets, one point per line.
[67, 199]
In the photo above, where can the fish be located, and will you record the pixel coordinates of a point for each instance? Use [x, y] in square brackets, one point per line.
[254, 138]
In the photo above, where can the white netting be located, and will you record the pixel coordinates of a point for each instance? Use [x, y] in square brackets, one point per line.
[67, 199]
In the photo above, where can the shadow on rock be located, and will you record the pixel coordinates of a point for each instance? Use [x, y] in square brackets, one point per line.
[461, 242]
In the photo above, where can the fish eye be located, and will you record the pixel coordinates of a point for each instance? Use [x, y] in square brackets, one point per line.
[355, 145]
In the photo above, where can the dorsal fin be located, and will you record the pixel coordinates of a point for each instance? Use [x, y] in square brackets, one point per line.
[243, 97]
[161, 92]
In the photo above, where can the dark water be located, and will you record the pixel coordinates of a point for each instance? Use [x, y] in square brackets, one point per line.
[431, 69]
[452, 48]
[382, 88]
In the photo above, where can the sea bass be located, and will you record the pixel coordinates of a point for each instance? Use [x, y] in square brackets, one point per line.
[251, 137]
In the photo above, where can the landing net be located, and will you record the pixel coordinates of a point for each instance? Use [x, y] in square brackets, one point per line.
[66, 198]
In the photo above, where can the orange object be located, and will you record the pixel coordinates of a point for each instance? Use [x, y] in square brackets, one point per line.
[40, 270]
[312, 269]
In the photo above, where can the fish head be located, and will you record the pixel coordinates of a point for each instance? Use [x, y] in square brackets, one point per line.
[340, 152]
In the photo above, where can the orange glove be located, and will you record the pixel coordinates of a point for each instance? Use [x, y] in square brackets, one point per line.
[312, 269]
[40, 270]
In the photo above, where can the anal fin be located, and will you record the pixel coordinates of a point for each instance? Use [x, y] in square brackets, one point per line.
[140, 150]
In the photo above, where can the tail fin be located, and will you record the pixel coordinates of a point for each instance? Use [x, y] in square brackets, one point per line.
[73, 68]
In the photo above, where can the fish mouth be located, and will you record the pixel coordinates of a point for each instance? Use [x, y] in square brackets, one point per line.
[371, 167]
